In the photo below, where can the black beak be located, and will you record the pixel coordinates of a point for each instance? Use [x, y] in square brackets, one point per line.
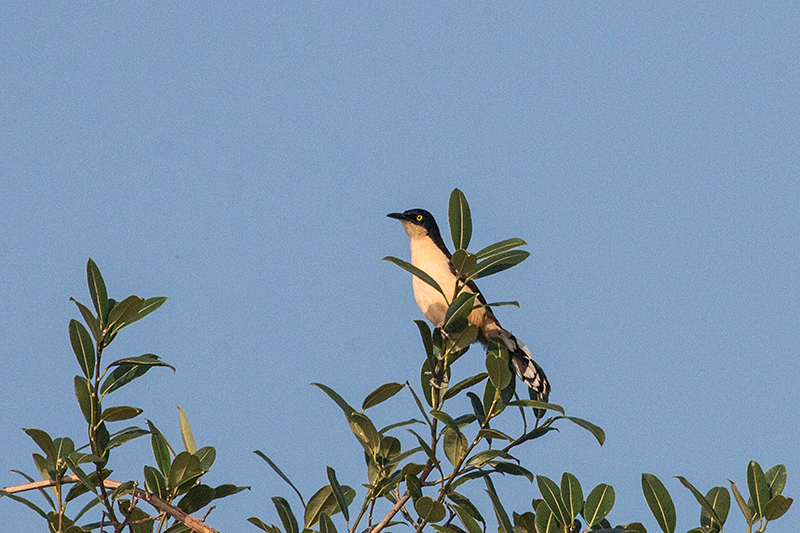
[398, 216]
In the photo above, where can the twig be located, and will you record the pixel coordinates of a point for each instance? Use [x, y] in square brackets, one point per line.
[191, 522]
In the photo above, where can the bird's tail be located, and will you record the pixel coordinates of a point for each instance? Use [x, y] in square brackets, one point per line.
[528, 371]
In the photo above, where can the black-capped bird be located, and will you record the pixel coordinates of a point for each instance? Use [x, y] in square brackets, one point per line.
[429, 254]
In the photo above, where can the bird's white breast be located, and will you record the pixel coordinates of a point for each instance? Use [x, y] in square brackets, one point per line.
[426, 256]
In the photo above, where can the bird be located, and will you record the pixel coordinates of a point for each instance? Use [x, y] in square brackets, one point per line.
[430, 254]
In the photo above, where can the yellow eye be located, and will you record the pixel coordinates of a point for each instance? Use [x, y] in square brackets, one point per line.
[419, 218]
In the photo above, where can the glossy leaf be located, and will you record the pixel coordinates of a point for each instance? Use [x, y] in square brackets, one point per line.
[154, 482]
[445, 419]
[465, 503]
[498, 263]
[525, 522]
[184, 467]
[777, 507]
[400, 424]
[462, 340]
[499, 372]
[477, 407]
[121, 437]
[326, 525]
[502, 517]
[338, 493]
[660, 502]
[460, 221]
[262, 526]
[571, 495]
[227, 489]
[488, 433]
[465, 384]
[97, 291]
[464, 262]
[207, 455]
[413, 486]
[429, 509]
[598, 433]
[469, 522]
[286, 515]
[89, 318]
[147, 359]
[186, 432]
[538, 404]
[82, 347]
[598, 504]
[43, 440]
[83, 396]
[427, 339]
[120, 412]
[381, 394]
[546, 521]
[720, 500]
[408, 267]
[365, 431]
[121, 376]
[196, 498]
[747, 511]
[333, 395]
[480, 459]
[323, 501]
[776, 479]
[551, 495]
[280, 474]
[500, 247]
[707, 507]
[759, 489]
[161, 449]
[149, 305]
[123, 311]
[456, 318]
[455, 445]
[512, 469]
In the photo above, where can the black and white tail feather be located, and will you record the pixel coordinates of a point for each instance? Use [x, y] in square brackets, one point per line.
[527, 370]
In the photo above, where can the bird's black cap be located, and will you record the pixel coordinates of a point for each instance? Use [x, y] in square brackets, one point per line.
[422, 218]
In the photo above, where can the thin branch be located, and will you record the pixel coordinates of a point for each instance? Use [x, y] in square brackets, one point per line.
[163, 506]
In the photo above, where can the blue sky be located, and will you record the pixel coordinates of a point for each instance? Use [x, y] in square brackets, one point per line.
[240, 159]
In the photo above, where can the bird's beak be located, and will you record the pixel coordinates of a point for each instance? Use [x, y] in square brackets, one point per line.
[398, 216]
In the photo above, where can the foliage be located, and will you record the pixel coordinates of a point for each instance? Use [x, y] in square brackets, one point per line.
[178, 474]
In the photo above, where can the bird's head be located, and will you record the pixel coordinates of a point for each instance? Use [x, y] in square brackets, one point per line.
[419, 223]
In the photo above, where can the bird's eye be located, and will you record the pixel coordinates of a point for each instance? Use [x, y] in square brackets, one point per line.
[419, 218]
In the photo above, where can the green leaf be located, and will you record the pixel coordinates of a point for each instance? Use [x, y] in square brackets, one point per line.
[83, 396]
[186, 432]
[161, 449]
[338, 493]
[707, 507]
[500, 247]
[154, 482]
[460, 221]
[513, 303]
[280, 473]
[469, 523]
[525, 522]
[498, 263]
[446, 419]
[365, 431]
[91, 321]
[326, 525]
[777, 507]
[512, 469]
[480, 459]
[333, 395]
[125, 310]
[413, 486]
[400, 424]
[546, 521]
[82, 346]
[286, 515]
[460, 341]
[551, 495]
[121, 376]
[324, 501]
[720, 500]
[455, 445]
[184, 467]
[660, 502]
[759, 489]
[427, 340]
[571, 495]
[381, 394]
[776, 479]
[598, 504]
[499, 372]
[502, 517]
[426, 448]
[97, 291]
[429, 509]
[120, 412]
[262, 526]
[598, 433]
[456, 318]
[149, 305]
[198, 497]
[127, 434]
[477, 408]
[465, 384]
[464, 262]
[227, 489]
[747, 511]
[538, 404]
[408, 267]
[465, 503]
[43, 440]
[488, 433]
[147, 359]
